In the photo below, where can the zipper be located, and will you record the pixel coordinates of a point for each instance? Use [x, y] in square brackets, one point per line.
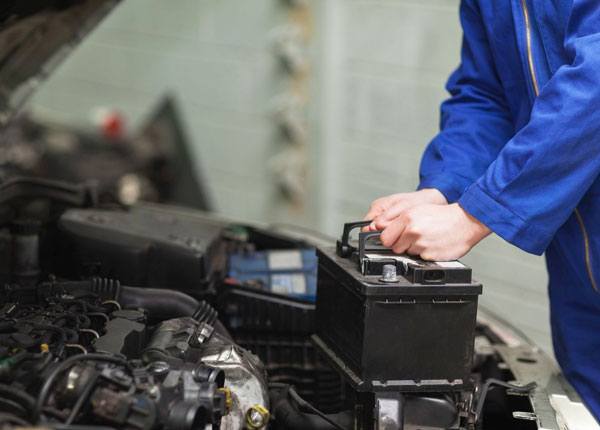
[586, 244]
[536, 90]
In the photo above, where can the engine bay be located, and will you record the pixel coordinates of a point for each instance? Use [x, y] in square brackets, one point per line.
[160, 317]
[116, 314]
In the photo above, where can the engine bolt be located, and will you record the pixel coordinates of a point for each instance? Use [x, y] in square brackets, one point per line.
[159, 367]
[182, 348]
[154, 392]
[257, 417]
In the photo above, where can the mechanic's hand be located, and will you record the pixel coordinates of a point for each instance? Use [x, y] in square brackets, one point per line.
[434, 232]
[385, 209]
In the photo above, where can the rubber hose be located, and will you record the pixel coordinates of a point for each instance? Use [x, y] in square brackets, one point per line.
[108, 289]
[161, 304]
[288, 416]
[222, 330]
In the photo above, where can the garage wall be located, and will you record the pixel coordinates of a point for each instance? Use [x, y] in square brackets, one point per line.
[216, 57]
[377, 79]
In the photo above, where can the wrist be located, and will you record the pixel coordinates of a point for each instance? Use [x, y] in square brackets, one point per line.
[478, 230]
[434, 196]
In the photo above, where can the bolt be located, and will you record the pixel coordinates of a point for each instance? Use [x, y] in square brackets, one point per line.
[257, 417]
[159, 367]
[154, 392]
[182, 347]
[119, 375]
[389, 273]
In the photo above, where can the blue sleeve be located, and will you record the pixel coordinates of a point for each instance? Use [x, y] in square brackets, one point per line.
[542, 173]
[475, 120]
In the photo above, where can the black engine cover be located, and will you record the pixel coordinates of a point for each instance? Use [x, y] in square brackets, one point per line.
[144, 246]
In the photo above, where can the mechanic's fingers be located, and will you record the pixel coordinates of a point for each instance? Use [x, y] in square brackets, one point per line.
[379, 224]
[392, 232]
[393, 211]
[382, 204]
[368, 229]
[415, 249]
[404, 242]
[370, 216]
[388, 216]
[430, 255]
[376, 225]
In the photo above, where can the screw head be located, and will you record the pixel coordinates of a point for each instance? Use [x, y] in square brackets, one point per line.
[257, 417]
[159, 367]
[389, 273]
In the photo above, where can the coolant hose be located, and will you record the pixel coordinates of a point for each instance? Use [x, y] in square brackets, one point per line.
[289, 416]
[161, 304]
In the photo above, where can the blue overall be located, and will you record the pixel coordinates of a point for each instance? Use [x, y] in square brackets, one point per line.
[519, 149]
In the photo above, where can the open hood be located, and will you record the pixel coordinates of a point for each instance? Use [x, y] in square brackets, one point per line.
[35, 36]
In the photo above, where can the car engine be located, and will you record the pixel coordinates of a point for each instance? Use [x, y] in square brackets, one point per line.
[97, 352]
[88, 351]
[156, 317]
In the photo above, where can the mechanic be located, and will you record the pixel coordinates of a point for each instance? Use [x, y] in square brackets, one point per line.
[518, 154]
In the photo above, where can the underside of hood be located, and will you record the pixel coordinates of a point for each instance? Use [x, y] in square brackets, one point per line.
[35, 36]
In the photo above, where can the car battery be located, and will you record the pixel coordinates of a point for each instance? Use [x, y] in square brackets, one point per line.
[394, 322]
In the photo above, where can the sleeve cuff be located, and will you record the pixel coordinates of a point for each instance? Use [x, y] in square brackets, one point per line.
[504, 222]
[451, 189]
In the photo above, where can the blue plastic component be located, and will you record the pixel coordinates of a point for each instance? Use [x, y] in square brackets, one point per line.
[292, 273]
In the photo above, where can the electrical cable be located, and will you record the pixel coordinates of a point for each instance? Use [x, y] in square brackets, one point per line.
[62, 332]
[304, 404]
[491, 382]
[79, 427]
[21, 396]
[6, 417]
[81, 320]
[82, 398]
[102, 315]
[45, 390]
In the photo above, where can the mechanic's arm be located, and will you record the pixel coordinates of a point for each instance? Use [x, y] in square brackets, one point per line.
[541, 174]
[475, 125]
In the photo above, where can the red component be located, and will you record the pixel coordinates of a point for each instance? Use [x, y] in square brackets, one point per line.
[113, 125]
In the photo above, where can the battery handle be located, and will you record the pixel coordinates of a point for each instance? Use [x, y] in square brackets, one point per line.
[343, 248]
[363, 239]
